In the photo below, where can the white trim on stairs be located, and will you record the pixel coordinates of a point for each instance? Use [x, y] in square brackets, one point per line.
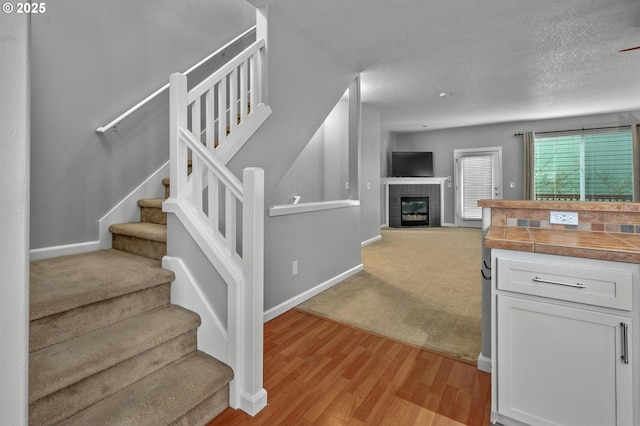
[302, 297]
[127, 209]
[186, 292]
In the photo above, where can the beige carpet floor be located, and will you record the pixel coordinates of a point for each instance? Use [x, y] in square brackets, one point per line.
[420, 286]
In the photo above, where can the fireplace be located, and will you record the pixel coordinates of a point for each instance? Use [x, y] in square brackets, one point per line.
[414, 211]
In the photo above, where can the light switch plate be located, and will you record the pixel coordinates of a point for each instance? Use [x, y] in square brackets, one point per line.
[563, 218]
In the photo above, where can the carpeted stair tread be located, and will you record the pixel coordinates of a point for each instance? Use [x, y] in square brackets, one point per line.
[162, 398]
[52, 329]
[64, 283]
[151, 211]
[80, 395]
[70, 361]
[142, 230]
[155, 203]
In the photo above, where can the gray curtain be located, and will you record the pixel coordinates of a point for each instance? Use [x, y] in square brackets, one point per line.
[528, 139]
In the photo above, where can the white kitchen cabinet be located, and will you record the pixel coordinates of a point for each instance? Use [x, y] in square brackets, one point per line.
[563, 340]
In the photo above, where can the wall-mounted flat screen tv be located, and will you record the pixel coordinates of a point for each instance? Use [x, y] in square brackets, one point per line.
[411, 164]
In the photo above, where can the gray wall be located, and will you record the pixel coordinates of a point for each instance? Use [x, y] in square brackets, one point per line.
[443, 142]
[370, 189]
[14, 211]
[92, 60]
[305, 81]
[321, 170]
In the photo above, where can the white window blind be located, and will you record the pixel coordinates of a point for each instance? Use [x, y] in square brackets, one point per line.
[477, 183]
[585, 166]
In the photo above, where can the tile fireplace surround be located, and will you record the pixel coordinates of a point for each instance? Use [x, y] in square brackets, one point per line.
[395, 188]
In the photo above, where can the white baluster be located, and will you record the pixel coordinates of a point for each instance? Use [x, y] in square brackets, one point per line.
[230, 221]
[233, 100]
[253, 75]
[222, 112]
[196, 178]
[243, 91]
[213, 202]
[195, 118]
[210, 119]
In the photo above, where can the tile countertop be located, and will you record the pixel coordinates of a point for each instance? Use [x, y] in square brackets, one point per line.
[561, 205]
[592, 245]
[616, 246]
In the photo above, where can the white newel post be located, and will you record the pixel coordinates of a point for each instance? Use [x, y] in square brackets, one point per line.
[178, 119]
[253, 395]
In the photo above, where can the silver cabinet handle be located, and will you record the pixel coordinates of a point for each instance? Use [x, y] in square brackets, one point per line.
[540, 280]
[625, 342]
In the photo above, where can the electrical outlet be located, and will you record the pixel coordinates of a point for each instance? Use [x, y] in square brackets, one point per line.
[563, 218]
[294, 267]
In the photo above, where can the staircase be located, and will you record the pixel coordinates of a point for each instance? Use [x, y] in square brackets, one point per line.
[106, 345]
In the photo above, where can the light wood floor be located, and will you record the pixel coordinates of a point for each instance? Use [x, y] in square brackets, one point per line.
[320, 372]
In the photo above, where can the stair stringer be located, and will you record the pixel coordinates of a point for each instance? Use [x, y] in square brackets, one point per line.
[187, 292]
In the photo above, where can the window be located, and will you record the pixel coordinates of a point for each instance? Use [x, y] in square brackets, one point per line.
[584, 166]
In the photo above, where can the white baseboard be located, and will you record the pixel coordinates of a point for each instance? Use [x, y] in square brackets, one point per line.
[371, 240]
[124, 211]
[484, 363]
[186, 292]
[302, 297]
[57, 251]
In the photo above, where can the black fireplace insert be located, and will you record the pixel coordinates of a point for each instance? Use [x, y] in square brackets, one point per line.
[414, 211]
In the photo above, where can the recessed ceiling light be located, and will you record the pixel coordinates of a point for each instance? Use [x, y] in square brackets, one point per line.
[443, 94]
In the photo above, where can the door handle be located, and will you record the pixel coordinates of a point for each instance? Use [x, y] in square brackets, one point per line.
[625, 342]
[540, 280]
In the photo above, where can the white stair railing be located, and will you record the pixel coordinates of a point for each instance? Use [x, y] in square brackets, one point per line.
[226, 108]
[223, 215]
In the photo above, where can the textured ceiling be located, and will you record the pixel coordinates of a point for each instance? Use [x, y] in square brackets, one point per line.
[499, 60]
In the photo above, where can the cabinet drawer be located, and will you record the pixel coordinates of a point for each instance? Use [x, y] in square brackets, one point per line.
[593, 286]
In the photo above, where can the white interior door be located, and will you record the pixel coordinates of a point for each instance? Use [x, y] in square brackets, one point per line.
[478, 176]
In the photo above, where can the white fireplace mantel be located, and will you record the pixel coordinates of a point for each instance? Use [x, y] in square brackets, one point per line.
[412, 181]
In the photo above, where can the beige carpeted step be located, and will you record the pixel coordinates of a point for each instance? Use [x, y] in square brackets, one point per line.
[72, 295]
[190, 391]
[101, 323]
[64, 283]
[144, 239]
[167, 187]
[80, 395]
[52, 329]
[65, 363]
[151, 211]
[167, 182]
